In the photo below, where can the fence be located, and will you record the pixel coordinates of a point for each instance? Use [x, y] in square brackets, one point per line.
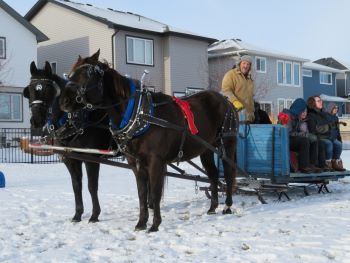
[10, 151]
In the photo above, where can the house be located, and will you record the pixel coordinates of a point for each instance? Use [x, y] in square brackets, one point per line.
[176, 59]
[277, 76]
[18, 48]
[319, 79]
[342, 80]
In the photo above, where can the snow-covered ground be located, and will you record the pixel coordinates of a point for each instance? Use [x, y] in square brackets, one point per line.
[37, 204]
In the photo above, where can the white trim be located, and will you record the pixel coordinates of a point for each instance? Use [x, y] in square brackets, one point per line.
[284, 72]
[307, 75]
[256, 64]
[12, 119]
[145, 40]
[299, 71]
[328, 73]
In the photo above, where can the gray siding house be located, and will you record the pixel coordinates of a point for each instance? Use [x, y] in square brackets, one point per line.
[277, 76]
[176, 59]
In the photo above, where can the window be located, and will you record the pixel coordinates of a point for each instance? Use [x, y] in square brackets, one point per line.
[139, 51]
[266, 106]
[284, 104]
[307, 73]
[189, 91]
[260, 64]
[2, 47]
[288, 73]
[10, 107]
[326, 78]
[54, 67]
[296, 74]
[280, 72]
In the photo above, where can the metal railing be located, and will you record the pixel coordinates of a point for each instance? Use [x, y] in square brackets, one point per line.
[11, 152]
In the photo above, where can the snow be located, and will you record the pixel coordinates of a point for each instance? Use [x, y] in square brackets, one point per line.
[38, 203]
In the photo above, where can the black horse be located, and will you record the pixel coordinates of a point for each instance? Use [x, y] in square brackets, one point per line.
[83, 129]
[152, 132]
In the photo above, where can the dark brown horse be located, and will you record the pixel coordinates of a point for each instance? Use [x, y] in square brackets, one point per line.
[43, 93]
[164, 136]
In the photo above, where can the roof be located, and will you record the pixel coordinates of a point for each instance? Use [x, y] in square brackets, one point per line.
[334, 63]
[333, 98]
[237, 46]
[38, 34]
[118, 19]
[315, 66]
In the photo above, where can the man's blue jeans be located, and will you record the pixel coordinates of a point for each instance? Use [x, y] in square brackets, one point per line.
[333, 148]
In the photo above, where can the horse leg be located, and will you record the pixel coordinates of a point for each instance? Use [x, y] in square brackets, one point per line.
[230, 176]
[156, 173]
[92, 170]
[207, 159]
[150, 199]
[75, 169]
[142, 182]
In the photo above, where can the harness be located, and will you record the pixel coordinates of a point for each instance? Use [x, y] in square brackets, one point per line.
[138, 117]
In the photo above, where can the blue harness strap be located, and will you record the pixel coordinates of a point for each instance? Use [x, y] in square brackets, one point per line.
[129, 108]
[60, 122]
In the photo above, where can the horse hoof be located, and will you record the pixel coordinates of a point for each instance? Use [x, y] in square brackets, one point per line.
[153, 229]
[93, 220]
[227, 211]
[211, 212]
[140, 227]
[76, 220]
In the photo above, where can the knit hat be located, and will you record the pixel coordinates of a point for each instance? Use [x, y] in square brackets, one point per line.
[246, 58]
[297, 107]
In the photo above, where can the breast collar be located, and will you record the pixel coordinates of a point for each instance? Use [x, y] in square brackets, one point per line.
[132, 123]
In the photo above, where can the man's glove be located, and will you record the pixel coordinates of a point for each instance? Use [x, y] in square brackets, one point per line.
[237, 104]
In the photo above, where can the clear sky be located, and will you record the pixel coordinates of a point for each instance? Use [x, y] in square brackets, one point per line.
[310, 29]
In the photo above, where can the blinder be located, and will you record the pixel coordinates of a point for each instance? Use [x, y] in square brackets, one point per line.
[91, 71]
[39, 88]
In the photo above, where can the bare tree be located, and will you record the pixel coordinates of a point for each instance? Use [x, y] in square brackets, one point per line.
[5, 71]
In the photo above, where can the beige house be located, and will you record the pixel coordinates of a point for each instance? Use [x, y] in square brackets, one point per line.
[176, 59]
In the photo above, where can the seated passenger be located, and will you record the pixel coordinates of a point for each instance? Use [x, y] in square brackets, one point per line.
[320, 123]
[300, 140]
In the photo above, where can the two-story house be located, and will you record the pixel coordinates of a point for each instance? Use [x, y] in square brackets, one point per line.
[18, 48]
[176, 59]
[277, 76]
[319, 79]
[342, 80]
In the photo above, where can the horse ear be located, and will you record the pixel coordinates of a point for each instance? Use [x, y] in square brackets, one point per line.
[96, 55]
[48, 69]
[33, 68]
[26, 92]
[79, 59]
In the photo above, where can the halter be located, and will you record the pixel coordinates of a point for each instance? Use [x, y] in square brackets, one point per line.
[39, 87]
[81, 92]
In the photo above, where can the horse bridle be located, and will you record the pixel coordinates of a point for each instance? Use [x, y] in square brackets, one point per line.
[39, 87]
[92, 70]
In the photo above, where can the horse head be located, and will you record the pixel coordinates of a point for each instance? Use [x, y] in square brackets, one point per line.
[85, 85]
[42, 91]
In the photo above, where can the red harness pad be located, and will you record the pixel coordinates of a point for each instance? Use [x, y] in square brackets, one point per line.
[186, 110]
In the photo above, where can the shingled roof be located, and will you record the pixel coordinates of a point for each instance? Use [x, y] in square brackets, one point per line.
[118, 19]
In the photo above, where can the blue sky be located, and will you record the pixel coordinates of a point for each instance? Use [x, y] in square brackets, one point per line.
[306, 28]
